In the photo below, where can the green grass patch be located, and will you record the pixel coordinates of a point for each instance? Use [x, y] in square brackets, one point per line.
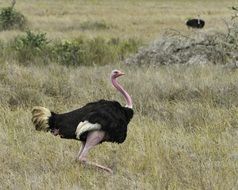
[96, 51]
[95, 25]
[35, 48]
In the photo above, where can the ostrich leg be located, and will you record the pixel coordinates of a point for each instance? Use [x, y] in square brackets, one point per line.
[81, 150]
[93, 138]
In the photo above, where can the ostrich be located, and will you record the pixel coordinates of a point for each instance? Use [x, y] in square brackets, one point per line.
[195, 23]
[92, 124]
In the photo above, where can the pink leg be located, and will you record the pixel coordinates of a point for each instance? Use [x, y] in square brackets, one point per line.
[93, 138]
[81, 150]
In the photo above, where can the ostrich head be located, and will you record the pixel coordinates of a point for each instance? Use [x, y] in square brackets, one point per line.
[116, 73]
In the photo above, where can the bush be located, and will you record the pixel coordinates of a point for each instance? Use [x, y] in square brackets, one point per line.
[11, 19]
[69, 53]
[30, 46]
[31, 40]
[83, 52]
[35, 47]
[93, 51]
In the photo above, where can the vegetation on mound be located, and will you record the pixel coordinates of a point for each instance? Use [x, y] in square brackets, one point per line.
[202, 48]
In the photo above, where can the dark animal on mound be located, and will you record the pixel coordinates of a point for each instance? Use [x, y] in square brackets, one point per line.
[92, 124]
[195, 23]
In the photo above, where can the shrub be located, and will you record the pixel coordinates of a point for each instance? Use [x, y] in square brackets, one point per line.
[30, 46]
[69, 52]
[11, 19]
[83, 52]
[35, 47]
[31, 40]
[92, 51]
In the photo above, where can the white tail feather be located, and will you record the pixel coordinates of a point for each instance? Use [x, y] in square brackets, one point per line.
[40, 118]
[86, 126]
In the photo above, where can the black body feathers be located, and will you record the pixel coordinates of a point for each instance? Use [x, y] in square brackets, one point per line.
[112, 117]
[195, 23]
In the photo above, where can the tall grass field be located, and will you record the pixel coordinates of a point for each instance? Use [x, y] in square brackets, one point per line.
[184, 133]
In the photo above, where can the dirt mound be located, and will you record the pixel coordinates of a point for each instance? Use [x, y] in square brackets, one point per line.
[202, 48]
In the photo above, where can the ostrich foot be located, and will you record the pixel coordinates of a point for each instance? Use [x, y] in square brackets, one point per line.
[89, 163]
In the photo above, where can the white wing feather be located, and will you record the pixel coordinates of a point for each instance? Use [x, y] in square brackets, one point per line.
[86, 126]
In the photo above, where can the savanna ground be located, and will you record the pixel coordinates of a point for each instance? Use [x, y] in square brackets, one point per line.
[184, 132]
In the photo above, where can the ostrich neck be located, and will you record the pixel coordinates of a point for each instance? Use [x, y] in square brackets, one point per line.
[124, 93]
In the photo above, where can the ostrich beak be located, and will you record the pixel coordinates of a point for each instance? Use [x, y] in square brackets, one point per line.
[121, 73]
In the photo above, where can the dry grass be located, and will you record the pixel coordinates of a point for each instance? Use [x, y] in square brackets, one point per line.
[141, 19]
[184, 133]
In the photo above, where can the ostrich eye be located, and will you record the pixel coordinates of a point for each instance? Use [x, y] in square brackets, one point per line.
[116, 72]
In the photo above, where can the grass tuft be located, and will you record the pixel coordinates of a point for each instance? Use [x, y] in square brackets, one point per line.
[95, 25]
